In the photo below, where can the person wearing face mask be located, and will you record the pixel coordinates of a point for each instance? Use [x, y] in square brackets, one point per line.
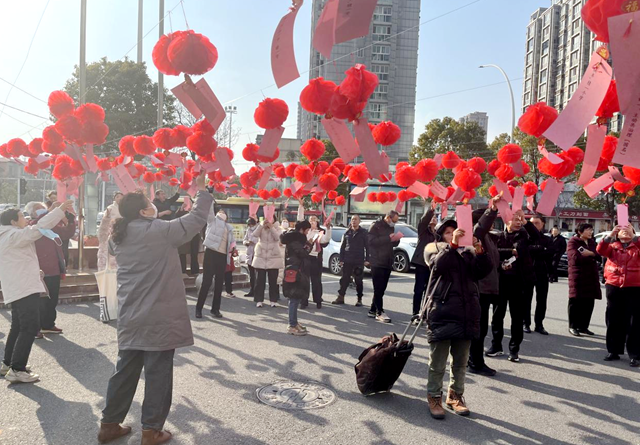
[163, 204]
[354, 256]
[381, 259]
[319, 238]
[426, 235]
[52, 263]
[516, 273]
[153, 318]
[267, 261]
[584, 282]
[217, 254]
[22, 285]
[250, 242]
[622, 274]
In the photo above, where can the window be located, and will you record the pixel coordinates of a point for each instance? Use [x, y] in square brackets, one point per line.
[382, 14]
[527, 97]
[527, 85]
[545, 48]
[576, 10]
[572, 88]
[380, 53]
[575, 41]
[543, 76]
[381, 33]
[530, 45]
[529, 58]
[378, 111]
[545, 33]
[380, 92]
[573, 74]
[576, 25]
[360, 52]
[574, 58]
[337, 234]
[528, 71]
[382, 71]
[545, 61]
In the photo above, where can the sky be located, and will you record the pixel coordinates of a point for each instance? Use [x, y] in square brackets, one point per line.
[39, 59]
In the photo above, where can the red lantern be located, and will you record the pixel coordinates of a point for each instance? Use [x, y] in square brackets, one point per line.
[493, 167]
[313, 149]
[340, 201]
[537, 119]
[372, 197]
[529, 188]
[250, 152]
[427, 170]
[89, 113]
[143, 145]
[303, 174]
[505, 173]
[596, 14]
[359, 84]
[406, 176]
[493, 191]
[271, 113]
[478, 165]
[328, 182]
[576, 154]
[316, 97]
[358, 174]
[60, 104]
[188, 52]
[623, 188]
[632, 174]
[510, 154]
[450, 160]
[610, 105]
[386, 133]
[468, 179]
[332, 194]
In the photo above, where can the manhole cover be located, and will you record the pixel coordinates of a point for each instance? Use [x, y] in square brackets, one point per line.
[295, 395]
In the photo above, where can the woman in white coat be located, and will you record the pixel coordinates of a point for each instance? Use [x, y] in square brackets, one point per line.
[267, 260]
[319, 238]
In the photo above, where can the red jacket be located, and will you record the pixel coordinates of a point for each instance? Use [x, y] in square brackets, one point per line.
[50, 255]
[623, 263]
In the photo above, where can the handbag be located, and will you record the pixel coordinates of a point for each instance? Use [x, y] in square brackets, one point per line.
[107, 281]
[290, 275]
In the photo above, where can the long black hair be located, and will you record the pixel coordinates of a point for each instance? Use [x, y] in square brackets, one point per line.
[129, 207]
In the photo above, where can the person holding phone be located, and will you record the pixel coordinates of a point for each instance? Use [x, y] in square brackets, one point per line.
[584, 283]
[318, 238]
[622, 274]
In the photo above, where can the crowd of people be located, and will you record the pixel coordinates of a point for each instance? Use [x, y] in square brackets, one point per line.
[457, 290]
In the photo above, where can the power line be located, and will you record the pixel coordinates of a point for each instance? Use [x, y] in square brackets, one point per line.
[22, 111]
[23, 91]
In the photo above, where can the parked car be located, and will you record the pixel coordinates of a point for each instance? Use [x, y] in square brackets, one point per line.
[404, 251]
[331, 253]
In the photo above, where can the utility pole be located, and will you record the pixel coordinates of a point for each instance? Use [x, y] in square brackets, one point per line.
[160, 75]
[139, 31]
[231, 110]
[81, 100]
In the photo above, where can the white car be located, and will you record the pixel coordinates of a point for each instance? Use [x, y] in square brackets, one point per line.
[402, 253]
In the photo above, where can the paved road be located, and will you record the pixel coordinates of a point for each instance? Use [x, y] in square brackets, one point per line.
[561, 393]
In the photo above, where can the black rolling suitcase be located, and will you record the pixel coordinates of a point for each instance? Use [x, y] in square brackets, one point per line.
[380, 365]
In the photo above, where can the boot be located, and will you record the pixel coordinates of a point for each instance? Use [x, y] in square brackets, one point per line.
[435, 407]
[339, 300]
[456, 403]
[112, 431]
[359, 302]
[153, 437]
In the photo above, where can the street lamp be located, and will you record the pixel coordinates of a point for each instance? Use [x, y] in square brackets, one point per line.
[230, 110]
[513, 102]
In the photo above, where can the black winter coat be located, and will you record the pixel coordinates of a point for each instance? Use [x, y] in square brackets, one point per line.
[521, 241]
[355, 246]
[559, 247]
[490, 284]
[296, 258]
[542, 255]
[425, 236]
[381, 254]
[166, 205]
[453, 307]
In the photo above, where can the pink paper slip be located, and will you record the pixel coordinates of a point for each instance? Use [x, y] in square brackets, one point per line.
[91, 160]
[369, 149]
[505, 211]
[595, 141]
[270, 141]
[421, 189]
[530, 203]
[283, 57]
[502, 187]
[550, 197]
[353, 19]
[253, 208]
[61, 191]
[628, 151]
[593, 189]
[329, 218]
[155, 160]
[222, 157]
[341, 138]
[438, 159]
[518, 197]
[456, 196]
[174, 159]
[123, 179]
[624, 42]
[552, 157]
[184, 98]
[269, 211]
[209, 104]
[465, 222]
[397, 236]
[584, 103]
[438, 190]
[324, 34]
[617, 176]
[623, 215]
[266, 174]
[358, 193]
[517, 168]
[400, 207]
[444, 211]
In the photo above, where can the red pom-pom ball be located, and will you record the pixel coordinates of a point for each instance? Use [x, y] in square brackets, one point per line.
[313, 149]
[340, 200]
[406, 176]
[358, 174]
[537, 119]
[427, 170]
[510, 154]
[328, 182]
[60, 104]
[271, 113]
[530, 188]
[316, 97]
[303, 174]
[450, 160]
[386, 133]
[478, 165]
[359, 84]
[191, 53]
[596, 14]
[143, 145]
[468, 179]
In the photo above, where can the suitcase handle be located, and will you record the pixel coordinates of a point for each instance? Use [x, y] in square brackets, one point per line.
[425, 297]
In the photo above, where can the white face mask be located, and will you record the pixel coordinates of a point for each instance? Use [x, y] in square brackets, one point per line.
[284, 225]
[222, 216]
[41, 212]
[391, 224]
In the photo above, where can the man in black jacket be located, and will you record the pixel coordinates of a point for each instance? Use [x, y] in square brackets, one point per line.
[559, 248]
[163, 204]
[483, 220]
[513, 242]
[541, 253]
[426, 235]
[381, 258]
[354, 256]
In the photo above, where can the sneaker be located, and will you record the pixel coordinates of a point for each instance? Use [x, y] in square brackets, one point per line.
[482, 370]
[4, 369]
[339, 300]
[53, 330]
[541, 330]
[455, 402]
[493, 352]
[526, 329]
[371, 314]
[39, 336]
[301, 327]
[21, 377]
[611, 357]
[228, 295]
[383, 317]
[634, 363]
[435, 407]
[296, 330]
[259, 304]
[513, 358]
[274, 304]
[216, 314]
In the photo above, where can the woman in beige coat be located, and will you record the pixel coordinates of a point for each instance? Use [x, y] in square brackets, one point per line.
[267, 260]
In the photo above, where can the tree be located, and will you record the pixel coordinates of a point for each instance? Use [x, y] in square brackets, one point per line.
[129, 98]
[443, 135]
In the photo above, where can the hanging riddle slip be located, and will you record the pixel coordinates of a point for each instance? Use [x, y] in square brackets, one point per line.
[595, 141]
[623, 215]
[465, 222]
[283, 57]
[624, 40]
[550, 197]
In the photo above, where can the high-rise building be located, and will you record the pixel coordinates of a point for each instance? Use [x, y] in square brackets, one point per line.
[558, 50]
[391, 51]
[479, 117]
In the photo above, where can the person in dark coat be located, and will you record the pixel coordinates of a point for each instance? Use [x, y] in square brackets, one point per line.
[559, 248]
[483, 220]
[354, 256]
[426, 235]
[163, 204]
[514, 242]
[381, 259]
[452, 312]
[622, 274]
[191, 248]
[584, 279]
[295, 285]
[542, 253]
